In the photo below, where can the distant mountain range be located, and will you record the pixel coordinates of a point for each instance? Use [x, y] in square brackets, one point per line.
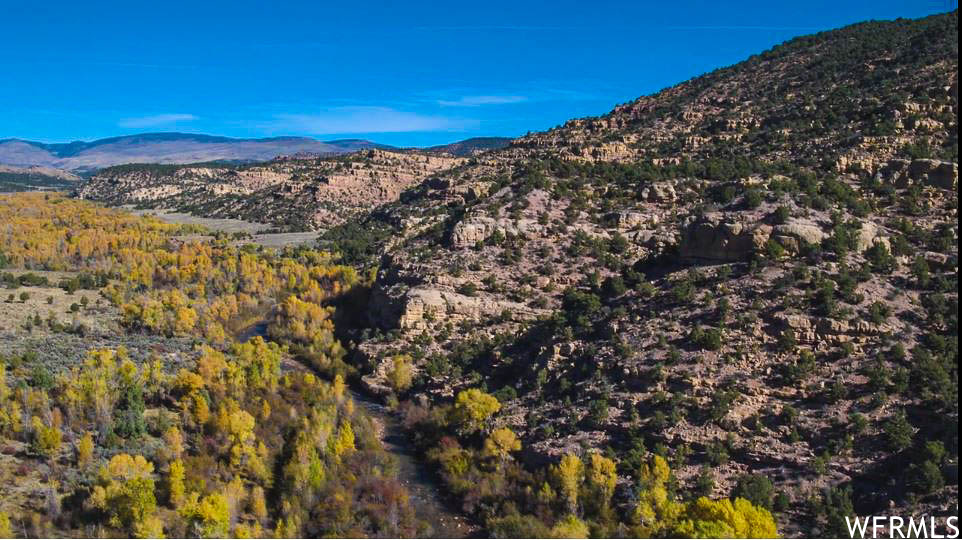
[82, 156]
[178, 148]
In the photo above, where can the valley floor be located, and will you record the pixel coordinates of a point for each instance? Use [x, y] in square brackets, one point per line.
[257, 231]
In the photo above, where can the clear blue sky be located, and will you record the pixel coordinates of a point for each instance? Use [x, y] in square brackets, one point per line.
[398, 72]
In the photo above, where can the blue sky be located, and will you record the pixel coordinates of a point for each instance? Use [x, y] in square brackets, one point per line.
[406, 73]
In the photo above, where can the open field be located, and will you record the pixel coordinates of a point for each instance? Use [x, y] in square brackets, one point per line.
[21, 307]
[234, 226]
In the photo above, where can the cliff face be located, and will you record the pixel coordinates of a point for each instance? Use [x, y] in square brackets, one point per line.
[293, 193]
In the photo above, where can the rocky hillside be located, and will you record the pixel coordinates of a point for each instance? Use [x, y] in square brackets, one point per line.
[849, 100]
[751, 273]
[469, 147]
[293, 193]
[36, 177]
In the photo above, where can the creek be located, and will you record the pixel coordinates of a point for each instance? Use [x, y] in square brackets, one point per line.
[426, 494]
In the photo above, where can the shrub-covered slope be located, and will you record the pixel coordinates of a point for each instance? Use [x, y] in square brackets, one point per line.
[753, 274]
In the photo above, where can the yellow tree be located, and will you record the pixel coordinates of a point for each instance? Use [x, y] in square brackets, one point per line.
[208, 517]
[705, 518]
[569, 473]
[175, 483]
[601, 478]
[343, 442]
[5, 530]
[569, 527]
[46, 439]
[184, 320]
[258, 503]
[473, 407]
[125, 492]
[501, 443]
[85, 449]
[174, 442]
[400, 374]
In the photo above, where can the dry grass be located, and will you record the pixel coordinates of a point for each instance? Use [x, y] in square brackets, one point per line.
[275, 240]
[98, 316]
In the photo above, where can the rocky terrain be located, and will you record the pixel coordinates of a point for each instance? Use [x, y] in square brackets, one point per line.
[292, 193]
[35, 177]
[753, 272]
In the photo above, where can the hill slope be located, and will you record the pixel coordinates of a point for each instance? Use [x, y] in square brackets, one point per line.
[752, 273]
[36, 177]
[293, 193]
[470, 146]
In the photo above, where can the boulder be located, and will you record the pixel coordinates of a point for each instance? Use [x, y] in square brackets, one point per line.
[470, 231]
[795, 322]
[937, 261]
[919, 169]
[832, 327]
[713, 239]
[659, 193]
[894, 172]
[868, 235]
[473, 191]
[627, 220]
[793, 233]
[944, 176]
[422, 305]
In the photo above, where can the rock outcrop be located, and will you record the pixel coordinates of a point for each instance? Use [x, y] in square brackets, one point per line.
[659, 193]
[712, 238]
[472, 230]
[868, 235]
[417, 307]
[903, 173]
[797, 232]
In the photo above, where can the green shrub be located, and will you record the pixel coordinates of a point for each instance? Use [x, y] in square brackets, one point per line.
[756, 488]
[898, 432]
[708, 339]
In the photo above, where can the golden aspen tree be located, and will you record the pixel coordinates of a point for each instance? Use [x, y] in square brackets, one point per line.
[501, 443]
[473, 407]
[265, 412]
[45, 440]
[601, 477]
[236, 494]
[6, 531]
[569, 473]
[85, 449]
[206, 517]
[125, 492]
[400, 374]
[173, 442]
[175, 484]
[343, 442]
[338, 387]
[569, 527]
[257, 503]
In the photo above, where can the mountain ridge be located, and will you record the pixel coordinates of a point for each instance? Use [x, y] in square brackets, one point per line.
[164, 147]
